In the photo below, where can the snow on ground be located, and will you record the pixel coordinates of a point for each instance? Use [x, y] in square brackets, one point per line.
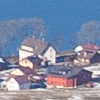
[95, 69]
[5, 73]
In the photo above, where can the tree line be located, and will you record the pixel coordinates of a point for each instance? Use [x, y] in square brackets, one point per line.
[14, 31]
[88, 33]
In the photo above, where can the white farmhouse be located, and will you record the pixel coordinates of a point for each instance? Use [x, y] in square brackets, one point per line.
[31, 46]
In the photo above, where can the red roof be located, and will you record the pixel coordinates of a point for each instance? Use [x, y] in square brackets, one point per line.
[91, 46]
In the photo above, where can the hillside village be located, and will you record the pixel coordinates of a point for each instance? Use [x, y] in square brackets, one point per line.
[39, 65]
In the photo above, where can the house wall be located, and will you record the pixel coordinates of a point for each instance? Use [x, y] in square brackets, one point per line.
[78, 49]
[12, 85]
[95, 58]
[25, 86]
[26, 63]
[83, 77]
[56, 81]
[60, 81]
[70, 82]
[50, 54]
[24, 54]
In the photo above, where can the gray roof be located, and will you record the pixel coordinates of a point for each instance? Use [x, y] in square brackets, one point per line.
[66, 53]
[37, 45]
[64, 71]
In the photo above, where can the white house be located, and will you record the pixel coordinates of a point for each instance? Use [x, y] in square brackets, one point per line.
[31, 46]
[18, 83]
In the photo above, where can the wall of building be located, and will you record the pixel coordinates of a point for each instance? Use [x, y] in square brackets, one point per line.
[50, 54]
[12, 85]
[24, 54]
[83, 77]
[26, 63]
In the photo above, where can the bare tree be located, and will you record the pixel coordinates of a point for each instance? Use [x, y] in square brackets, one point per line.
[4, 36]
[12, 31]
[32, 27]
[89, 33]
[37, 28]
[17, 30]
[57, 41]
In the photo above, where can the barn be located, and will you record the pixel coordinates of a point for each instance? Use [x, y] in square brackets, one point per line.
[67, 76]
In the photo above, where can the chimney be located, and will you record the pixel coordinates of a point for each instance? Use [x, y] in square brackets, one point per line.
[34, 37]
[43, 39]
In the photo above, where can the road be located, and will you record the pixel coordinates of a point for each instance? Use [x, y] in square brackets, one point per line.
[52, 94]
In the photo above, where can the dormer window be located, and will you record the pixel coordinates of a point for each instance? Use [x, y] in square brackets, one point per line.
[50, 50]
[25, 60]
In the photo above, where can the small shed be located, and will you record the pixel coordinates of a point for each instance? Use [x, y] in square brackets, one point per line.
[67, 76]
[15, 83]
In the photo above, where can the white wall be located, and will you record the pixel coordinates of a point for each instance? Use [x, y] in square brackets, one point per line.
[24, 54]
[12, 85]
[78, 48]
[50, 54]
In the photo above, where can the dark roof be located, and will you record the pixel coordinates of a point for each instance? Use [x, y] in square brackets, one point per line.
[35, 60]
[20, 79]
[37, 45]
[64, 71]
[27, 70]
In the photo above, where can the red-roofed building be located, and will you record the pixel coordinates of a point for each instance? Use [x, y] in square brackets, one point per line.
[87, 54]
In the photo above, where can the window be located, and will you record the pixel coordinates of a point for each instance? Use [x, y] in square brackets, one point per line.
[25, 60]
[50, 50]
[50, 55]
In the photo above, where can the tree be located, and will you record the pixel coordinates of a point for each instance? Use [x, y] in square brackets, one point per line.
[32, 27]
[37, 28]
[12, 31]
[4, 35]
[58, 41]
[89, 33]
[17, 30]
